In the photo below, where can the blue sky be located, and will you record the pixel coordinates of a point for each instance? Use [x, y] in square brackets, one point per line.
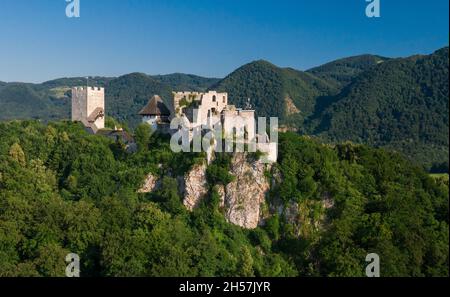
[206, 37]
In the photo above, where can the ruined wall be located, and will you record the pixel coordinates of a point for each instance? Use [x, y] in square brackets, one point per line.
[209, 104]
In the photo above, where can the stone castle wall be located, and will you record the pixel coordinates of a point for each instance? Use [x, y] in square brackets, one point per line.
[209, 104]
[85, 100]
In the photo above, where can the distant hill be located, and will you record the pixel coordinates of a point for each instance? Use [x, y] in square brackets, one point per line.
[77, 81]
[274, 91]
[28, 101]
[341, 72]
[185, 82]
[402, 104]
[126, 95]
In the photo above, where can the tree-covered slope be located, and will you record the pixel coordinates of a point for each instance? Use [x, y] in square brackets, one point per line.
[341, 72]
[28, 101]
[401, 104]
[126, 95]
[274, 91]
[65, 191]
[77, 82]
[185, 82]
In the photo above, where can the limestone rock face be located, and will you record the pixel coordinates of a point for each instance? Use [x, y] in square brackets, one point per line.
[195, 186]
[241, 200]
[150, 184]
[245, 196]
[290, 106]
[221, 191]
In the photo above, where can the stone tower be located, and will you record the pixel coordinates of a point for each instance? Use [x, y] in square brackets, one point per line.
[88, 107]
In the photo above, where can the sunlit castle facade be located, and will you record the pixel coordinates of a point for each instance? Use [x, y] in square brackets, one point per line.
[88, 107]
[207, 111]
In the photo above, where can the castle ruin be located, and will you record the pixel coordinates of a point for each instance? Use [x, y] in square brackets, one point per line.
[209, 110]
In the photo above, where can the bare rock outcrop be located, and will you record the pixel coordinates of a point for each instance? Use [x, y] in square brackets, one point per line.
[290, 106]
[221, 191]
[195, 186]
[246, 194]
[151, 183]
[241, 200]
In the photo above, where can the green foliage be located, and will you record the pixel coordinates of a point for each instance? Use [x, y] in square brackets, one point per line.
[65, 191]
[381, 204]
[142, 136]
[111, 123]
[341, 72]
[268, 86]
[401, 104]
[217, 174]
[398, 104]
[180, 82]
[219, 171]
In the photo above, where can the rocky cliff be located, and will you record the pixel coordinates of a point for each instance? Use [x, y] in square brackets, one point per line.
[194, 186]
[243, 201]
[245, 196]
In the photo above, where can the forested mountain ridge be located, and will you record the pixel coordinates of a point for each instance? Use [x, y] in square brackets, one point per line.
[270, 88]
[126, 95]
[64, 191]
[341, 72]
[185, 82]
[402, 104]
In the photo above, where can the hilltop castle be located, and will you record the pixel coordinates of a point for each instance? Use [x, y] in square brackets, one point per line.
[208, 110]
[199, 110]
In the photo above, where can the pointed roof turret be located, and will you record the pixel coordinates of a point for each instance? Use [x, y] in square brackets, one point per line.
[155, 107]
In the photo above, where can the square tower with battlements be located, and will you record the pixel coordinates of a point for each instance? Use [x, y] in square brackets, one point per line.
[88, 107]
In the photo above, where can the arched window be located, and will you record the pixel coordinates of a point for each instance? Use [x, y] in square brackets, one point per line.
[214, 98]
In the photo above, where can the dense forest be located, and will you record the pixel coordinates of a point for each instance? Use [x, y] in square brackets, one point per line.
[63, 190]
[402, 104]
